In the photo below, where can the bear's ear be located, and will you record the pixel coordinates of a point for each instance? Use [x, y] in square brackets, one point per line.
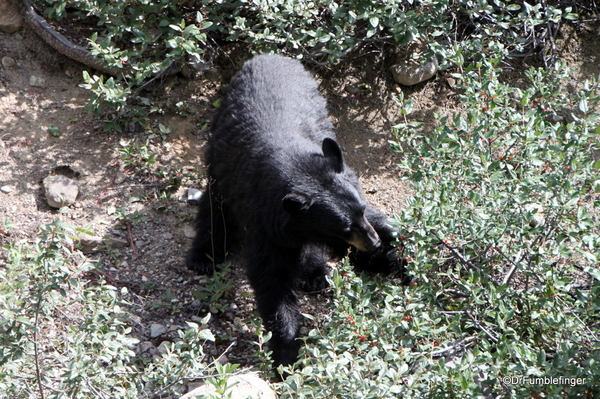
[296, 202]
[333, 153]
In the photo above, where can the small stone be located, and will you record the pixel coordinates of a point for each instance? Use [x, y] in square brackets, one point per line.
[241, 386]
[90, 244]
[223, 359]
[157, 330]
[60, 190]
[36, 81]
[141, 243]
[6, 189]
[175, 327]
[117, 242]
[146, 346]
[411, 72]
[351, 89]
[167, 236]
[163, 347]
[120, 178]
[192, 196]
[8, 62]
[10, 18]
[189, 231]
[71, 72]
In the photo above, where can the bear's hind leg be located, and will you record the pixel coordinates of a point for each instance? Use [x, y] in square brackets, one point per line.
[214, 231]
[272, 273]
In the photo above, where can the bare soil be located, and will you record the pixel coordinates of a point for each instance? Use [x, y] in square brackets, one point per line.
[152, 266]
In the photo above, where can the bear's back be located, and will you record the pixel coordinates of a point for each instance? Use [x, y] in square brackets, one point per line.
[272, 102]
[267, 136]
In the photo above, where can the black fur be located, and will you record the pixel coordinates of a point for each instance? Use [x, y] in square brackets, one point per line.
[278, 182]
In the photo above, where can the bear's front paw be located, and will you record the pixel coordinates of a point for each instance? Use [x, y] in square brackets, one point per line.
[314, 284]
[199, 265]
[384, 259]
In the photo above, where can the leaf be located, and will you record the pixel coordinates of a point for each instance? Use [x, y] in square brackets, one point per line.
[53, 130]
[595, 273]
[571, 16]
[541, 359]
[374, 21]
[207, 335]
[583, 105]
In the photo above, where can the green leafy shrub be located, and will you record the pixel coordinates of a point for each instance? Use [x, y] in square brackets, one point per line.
[502, 236]
[146, 39]
[66, 337]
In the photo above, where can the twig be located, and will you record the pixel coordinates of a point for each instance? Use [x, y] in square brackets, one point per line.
[513, 269]
[131, 242]
[462, 259]
[482, 328]
[36, 354]
[460, 345]
[173, 68]
[105, 190]
[585, 21]
[133, 185]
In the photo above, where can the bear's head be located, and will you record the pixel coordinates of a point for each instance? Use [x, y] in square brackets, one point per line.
[328, 203]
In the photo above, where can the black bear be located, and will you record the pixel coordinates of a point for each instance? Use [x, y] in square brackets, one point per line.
[278, 183]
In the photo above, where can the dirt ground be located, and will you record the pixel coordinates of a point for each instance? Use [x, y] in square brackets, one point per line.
[153, 268]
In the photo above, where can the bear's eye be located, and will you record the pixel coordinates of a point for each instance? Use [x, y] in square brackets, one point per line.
[360, 212]
[347, 230]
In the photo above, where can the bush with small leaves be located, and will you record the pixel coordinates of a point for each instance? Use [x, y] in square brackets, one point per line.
[67, 335]
[503, 238]
[146, 39]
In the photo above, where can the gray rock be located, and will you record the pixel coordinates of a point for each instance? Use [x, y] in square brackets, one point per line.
[157, 330]
[10, 18]
[6, 189]
[117, 242]
[36, 81]
[90, 244]
[146, 346]
[189, 231]
[243, 386]
[192, 196]
[60, 190]
[175, 327]
[141, 243]
[8, 62]
[163, 347]
[411, 72]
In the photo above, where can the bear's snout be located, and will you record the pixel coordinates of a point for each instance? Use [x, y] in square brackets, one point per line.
[364, 237]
